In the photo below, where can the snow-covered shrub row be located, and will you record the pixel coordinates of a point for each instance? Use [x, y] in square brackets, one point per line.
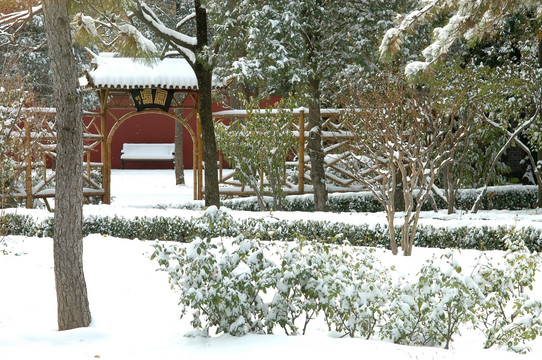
[510, 197]
[245, 286]
[218, 223]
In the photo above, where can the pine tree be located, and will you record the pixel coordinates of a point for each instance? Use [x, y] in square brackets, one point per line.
[304, 46]
[73, 306]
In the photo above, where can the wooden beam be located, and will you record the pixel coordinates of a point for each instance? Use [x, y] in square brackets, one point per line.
[28, 164]
[106, 156]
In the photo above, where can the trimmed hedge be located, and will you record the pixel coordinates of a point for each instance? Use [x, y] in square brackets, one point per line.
[509, 197]
[185, 230]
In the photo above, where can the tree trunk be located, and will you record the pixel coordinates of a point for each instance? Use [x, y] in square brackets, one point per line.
[73, 307]
[203, 72]
[539, 153]
[179, 161]
[315, 149]
[179, 156]
[449, 187]
[399, 200]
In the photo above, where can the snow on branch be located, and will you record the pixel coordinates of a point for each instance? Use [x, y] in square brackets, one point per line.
[12, 23]
[391, 42]
[468, 19]
[143, 44]
[181, 42]
[185, 20]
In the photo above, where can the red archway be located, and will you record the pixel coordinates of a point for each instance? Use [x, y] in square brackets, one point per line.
[114, 100]
[175, 117]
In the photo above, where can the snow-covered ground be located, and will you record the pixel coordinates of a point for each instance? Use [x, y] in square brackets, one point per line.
[135, 313]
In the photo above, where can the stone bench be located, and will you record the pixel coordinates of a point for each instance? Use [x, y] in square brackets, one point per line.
[147, 152]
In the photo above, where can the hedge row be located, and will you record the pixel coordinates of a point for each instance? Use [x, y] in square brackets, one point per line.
[510, 197]
[208, 226]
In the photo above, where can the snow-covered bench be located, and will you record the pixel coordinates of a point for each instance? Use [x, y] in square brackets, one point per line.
[147, 152]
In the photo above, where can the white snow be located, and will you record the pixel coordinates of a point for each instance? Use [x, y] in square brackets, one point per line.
[135, 314]
[127, 73]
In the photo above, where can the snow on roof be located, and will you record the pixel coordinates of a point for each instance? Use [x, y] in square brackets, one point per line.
[111, 71]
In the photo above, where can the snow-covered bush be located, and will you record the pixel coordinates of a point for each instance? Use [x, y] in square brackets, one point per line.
[506, 315]
[222, 285]
[301, 288]
[431, 310]
[244, 286]
[450, 297]
[359, 290]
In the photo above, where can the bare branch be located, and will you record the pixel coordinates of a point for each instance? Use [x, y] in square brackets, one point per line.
[13, 23]
[512, 138]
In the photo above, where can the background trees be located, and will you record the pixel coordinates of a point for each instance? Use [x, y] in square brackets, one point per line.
[305, 46]
[312, 47]
[504, 58]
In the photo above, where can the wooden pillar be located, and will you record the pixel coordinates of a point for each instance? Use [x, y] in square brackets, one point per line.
[195, 157]
[28, 165]
[105, 148]
[301, 152]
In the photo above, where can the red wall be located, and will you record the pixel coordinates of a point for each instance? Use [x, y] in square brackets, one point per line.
[146, 128]
[150, 128]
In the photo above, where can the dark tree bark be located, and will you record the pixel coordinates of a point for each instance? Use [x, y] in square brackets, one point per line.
[204, 75]
[539, 153]
[315, 150]
[179, 163]
[73, 306]
[179, 156]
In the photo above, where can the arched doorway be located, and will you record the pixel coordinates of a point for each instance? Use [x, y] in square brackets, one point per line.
[175, 117]
[117, 107]
[127, 88]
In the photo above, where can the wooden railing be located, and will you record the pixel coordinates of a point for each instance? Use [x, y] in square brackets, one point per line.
[335, 138]
[38, 158]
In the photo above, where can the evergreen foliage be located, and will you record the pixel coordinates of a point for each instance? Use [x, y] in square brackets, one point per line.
[257, 146]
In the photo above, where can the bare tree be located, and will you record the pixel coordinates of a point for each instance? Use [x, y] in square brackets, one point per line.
[512, 138]
[73, 306]
[400, 138]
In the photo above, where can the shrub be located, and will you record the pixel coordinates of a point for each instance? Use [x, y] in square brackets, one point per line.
[510, 197]
[301, 290]
[218, 222]
[222, 287]
[431, 311]
[236, 287]
[506, 315]
[359, 293]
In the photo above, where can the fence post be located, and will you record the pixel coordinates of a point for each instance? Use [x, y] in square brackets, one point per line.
[28, 165]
